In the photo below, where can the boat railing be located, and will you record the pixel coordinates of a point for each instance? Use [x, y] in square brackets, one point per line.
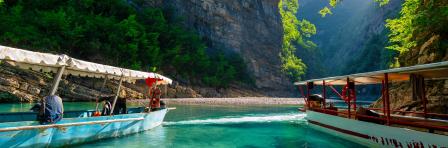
[383, 120]
[32, 127]
[414, 112]
[32, 116]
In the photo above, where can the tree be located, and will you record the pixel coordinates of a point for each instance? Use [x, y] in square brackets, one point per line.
[295, 32]
[116, 33]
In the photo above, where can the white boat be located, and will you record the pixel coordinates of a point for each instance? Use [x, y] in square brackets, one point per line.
[21, 129]
[379, 127]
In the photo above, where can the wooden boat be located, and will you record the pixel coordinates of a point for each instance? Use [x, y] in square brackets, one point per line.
[379, 127]
[21, 129]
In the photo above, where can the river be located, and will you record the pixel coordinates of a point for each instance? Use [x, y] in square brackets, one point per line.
[194, 126]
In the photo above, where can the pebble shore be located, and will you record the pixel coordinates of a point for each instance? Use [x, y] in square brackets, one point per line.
[235, 101]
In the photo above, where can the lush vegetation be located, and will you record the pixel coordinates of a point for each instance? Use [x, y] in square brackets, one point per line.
[295, 32]
[417, 19]
[115, 32]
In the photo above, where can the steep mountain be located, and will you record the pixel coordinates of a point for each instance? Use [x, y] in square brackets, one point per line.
[352, 39]
[249, 28]
[138, 34]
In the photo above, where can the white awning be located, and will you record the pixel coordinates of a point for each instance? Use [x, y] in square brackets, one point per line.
[433, 71]
[50, 63]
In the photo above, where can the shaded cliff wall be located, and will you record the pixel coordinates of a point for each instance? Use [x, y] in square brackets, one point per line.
[251, 28]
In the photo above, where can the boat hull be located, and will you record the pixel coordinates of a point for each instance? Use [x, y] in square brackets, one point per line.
[373, 135]
[70, 131]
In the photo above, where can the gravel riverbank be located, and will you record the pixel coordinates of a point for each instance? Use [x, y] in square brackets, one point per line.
[234, 101]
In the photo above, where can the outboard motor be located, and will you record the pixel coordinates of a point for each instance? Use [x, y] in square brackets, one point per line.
[51, 110]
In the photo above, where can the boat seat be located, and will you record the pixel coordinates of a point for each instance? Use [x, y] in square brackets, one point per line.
[360, 112]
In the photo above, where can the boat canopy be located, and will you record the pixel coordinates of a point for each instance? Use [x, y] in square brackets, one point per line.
[51, 63]
[433, 71]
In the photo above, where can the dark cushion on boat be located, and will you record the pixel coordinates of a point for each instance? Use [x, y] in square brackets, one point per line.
[51, 111]
[316, 97]
[362, 112]
[120, 106]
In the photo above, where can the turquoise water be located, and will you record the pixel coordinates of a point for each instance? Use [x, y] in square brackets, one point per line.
[194, 126]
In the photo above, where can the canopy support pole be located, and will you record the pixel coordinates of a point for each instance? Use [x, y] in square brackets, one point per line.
[324, 94]
[424, 99]
[354, 97]
[383, 96]
[56, 80]
[386, 92]
[348, 100]
[336, 92]
[165, 93]
[301, 91]
[303, 94]
[308, 94]
[116, 95]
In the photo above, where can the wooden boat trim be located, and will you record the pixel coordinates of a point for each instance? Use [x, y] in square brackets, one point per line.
[68, 124]
[340, 130]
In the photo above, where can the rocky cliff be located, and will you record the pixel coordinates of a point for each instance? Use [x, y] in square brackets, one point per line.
[250, 28]
[434, 49]
[27, 86]
[432, 46]
[436, 90]
[19, 85]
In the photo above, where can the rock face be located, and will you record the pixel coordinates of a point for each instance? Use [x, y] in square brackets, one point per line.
[251, 28]
[28, 86]
[436, 90]
[431, 47]
[18, 85]
[434, 49]
[401, 97]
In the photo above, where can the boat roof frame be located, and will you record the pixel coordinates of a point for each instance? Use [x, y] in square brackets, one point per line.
[47, 62]
[432, 71]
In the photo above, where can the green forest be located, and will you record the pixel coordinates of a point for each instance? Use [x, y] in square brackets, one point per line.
[122, 33]
[118, 33]
[418, 21]
[295, 33]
